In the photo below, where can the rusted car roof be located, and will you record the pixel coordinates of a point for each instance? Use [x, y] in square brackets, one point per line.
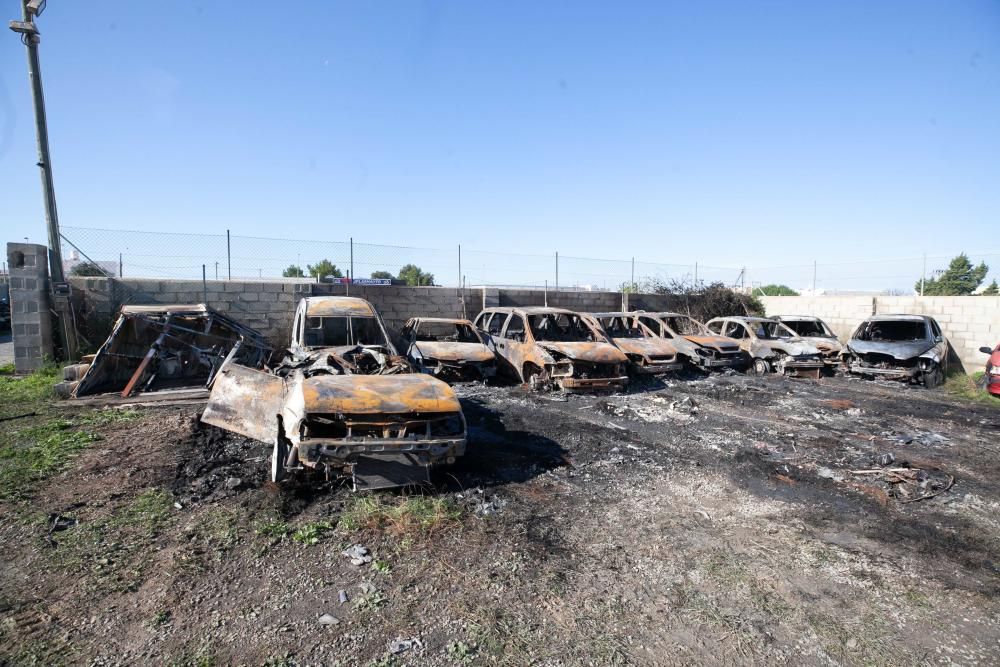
[337, 306]
[166, 308]
[447, 320]
[531, 310]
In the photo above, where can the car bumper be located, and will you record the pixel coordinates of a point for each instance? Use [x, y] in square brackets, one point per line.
[591, 384]
[725, 362]
[460, 372]
[885, 373]
[340, 452]
[993, 384]
[657, 368]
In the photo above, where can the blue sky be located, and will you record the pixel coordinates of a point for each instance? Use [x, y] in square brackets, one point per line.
[732, 134]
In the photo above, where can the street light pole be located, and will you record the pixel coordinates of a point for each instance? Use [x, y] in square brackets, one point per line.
[29, 36]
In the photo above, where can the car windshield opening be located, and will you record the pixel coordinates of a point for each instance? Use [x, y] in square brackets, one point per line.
[894, 331]
[810, 328]
[685, 326]
[560, 328]
[618, 327]
[446, 332]
[772, 330]
[337, 331]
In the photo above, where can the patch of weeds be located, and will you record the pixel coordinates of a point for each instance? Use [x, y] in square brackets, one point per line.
[210, 536]
[371, 600]
[381, 566]
[202, 658]
[38, 653]
[281, 661]
[861, 639]
[274, 529]
[113, 552]
[416, 514]
[461, 652]
[740, 631]
[22, 393]
[917, 599]
[33, 454]
[969, 388]
[311, 533]
[162, 618]
[7, 369]
[384, 661]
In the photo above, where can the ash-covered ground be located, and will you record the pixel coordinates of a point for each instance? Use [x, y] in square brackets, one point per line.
[724, 520]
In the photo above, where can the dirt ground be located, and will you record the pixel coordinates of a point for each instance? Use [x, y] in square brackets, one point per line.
[711, 521]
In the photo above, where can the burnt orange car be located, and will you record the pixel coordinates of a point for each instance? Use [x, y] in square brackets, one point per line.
[647, 352]
[696, 345]
[552, 346]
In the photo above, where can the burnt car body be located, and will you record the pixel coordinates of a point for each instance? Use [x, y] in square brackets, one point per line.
[991, 379]
[156, 348]
[648, 353]
[342, 402]
[450, 349]
[908, 348]
[817, 333]
[552, 346]
[773, 346]
[696, 346]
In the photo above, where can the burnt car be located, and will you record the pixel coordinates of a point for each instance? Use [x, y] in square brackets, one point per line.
[450, 349]
[773, 346]
[907, 348]
[543, 347]
[648, 353]
[342, 402]
[697, 347]
[815, 331]
[160, 349]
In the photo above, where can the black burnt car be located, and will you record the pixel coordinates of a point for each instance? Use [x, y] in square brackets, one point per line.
[908, 348]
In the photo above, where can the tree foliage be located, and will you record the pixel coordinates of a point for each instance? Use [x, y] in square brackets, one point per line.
[382, 275]
[777, 290]
[323, 269]
[88, 269]
[412, 274]
[992, 290]
[961, 278]
[702, 302]
[293, 271]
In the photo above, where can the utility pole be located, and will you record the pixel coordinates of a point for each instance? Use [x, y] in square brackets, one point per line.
[216, 270]
[30, 9]
[30, 37]
[923, 275]
[120, 272]
[557, 272]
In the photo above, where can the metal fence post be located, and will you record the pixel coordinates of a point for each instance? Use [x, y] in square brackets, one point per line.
[204, 284]
[229, 256]
[350, 275]
[557, 272]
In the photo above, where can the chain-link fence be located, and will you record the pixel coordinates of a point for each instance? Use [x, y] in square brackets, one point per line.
[183, 256]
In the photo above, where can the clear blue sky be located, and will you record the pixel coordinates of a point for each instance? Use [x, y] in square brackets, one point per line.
[735, 133]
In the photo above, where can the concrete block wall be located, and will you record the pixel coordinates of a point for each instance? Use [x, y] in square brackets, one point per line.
[269, 306]
[30, 311]
[968, 322]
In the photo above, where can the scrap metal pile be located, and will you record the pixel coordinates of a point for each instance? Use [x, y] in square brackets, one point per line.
[159, 348]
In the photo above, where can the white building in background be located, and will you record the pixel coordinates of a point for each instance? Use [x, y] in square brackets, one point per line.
[74, 259]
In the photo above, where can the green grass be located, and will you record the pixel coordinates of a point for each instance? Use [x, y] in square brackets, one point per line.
[26, 393]
[416, 514]
[311, 533]
[965, 387]
[34, 453]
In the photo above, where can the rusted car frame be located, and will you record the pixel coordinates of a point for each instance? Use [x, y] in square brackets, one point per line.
[698, 347]
[342, 402]
[907, 348]
[773, 346]
[161, 347]
[817, 333]
[448, 348]
[647, 352]
[543, 347]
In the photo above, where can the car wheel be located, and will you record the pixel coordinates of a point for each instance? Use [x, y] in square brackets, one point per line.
[933, 377]
[760, 367]
[278, 458]
[533, 377]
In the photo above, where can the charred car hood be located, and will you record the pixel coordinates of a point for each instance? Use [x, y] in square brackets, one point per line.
[720, 343]
[377, 394]
[647, 347]
[454, 351]
[792, 346]
[597, 353]
[824, 344]
[902, 350]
